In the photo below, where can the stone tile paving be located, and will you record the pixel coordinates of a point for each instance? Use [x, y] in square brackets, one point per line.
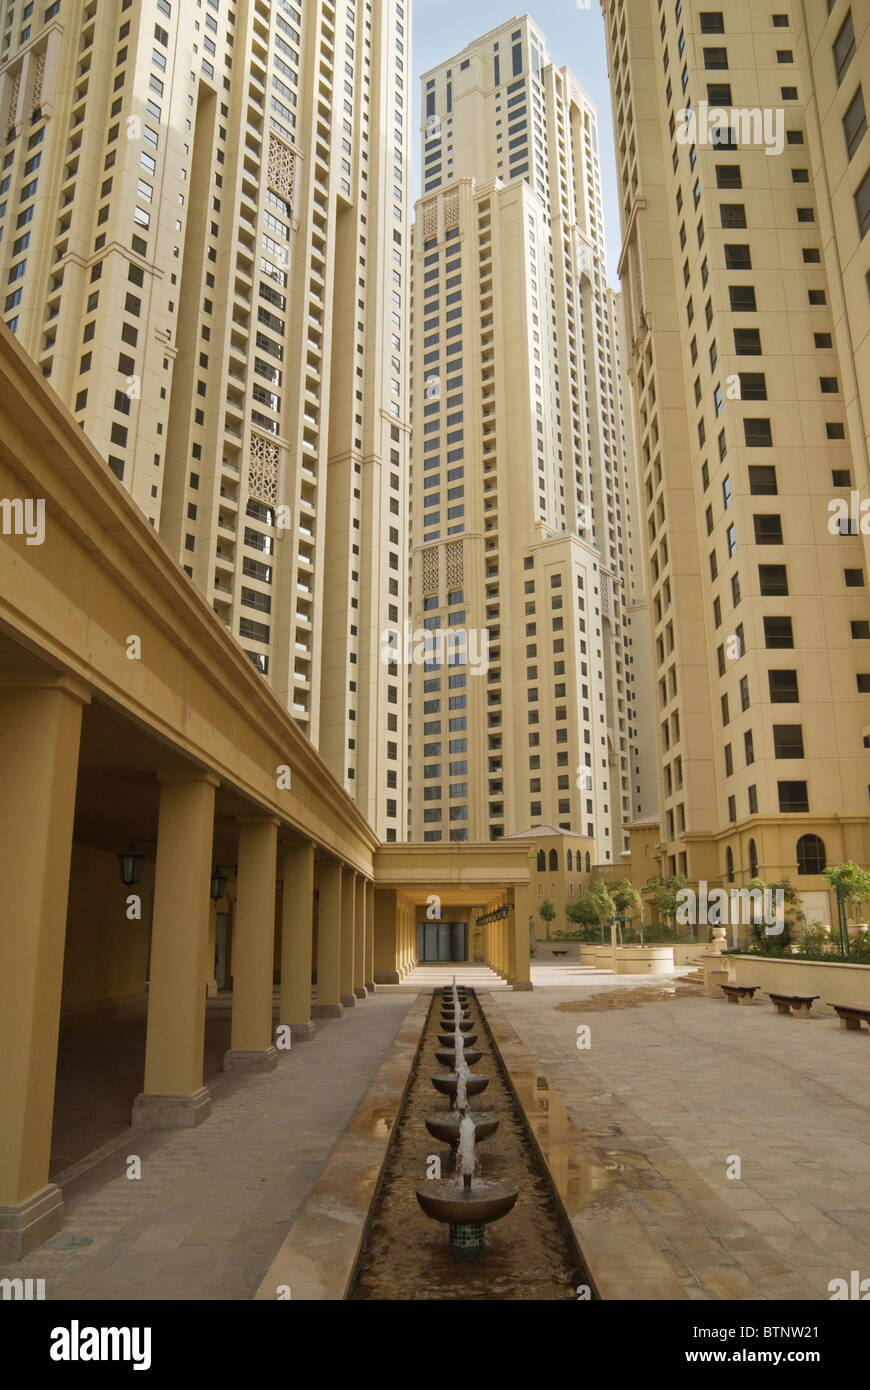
[675, 1086]
[214, 1204]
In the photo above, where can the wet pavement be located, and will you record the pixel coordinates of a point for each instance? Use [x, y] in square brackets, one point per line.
[736, 1140]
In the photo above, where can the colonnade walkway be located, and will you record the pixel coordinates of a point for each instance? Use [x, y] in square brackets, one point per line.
[214, 1202]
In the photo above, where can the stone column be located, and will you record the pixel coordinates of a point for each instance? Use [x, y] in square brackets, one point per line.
[328, 943]
[40, 729]
[174, 1095]
[211, 985]
[251, 1040]
[519, 920]
[348, 913]
[359, 938]
[297, 932]
[370, 939]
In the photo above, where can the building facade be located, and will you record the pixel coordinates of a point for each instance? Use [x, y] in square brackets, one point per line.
[523, 572]
[204, 246]
[747, 420]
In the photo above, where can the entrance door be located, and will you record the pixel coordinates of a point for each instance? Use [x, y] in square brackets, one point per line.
[459, 945]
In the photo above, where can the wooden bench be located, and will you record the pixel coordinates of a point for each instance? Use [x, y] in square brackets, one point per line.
[801, 1003]
[739, 994]
[852, 1015]
[560, 953]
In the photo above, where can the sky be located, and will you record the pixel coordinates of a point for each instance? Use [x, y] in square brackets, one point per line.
[575, 39]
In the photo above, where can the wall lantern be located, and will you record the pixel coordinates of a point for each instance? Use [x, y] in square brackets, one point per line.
[130, 865]
[218, 883]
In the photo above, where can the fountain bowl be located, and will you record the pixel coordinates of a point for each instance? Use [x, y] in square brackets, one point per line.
[447, 1039]
[483, 1202]
[447, 1058]
[447, 1081]
[463, 1020]
[446, 1126]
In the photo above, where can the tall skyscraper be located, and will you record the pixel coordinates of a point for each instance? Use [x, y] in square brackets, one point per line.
[523, 564]
[204, 244]
[749, 424]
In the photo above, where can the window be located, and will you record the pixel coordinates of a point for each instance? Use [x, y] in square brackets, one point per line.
[788, 741]
[747, 342]
[793, 796]
[733, 215]
[768, 529]
[715, 58]
[762, 480]
[844, 48]
[783, 687]
[773, 580]
[778, 632]
[742, 299]
[855, 123]
[811, 858]
[737, 257]
[862, 212]
[757, 433]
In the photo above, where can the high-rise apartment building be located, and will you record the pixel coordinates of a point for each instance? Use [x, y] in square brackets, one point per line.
[735, 267]
[523, 566]
[204, 245]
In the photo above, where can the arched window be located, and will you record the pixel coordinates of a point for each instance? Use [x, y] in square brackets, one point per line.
[811, 855]
[553, 890]
[554, 860]
[729, 864]
[540, 890]
[753, 860]
[542, 861]
[588, 862]
[570, 859]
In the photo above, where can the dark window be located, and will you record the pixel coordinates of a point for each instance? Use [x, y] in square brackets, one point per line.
[737, 257]
[788, 741]
[733, 215]
[793, 796]
[747, 342]
[778, 632]
[762, 480]
[862, 205]
[742, 299]
[757, 434]
[768, 529]
[811, 858]
[783, 687]
[753, 386]
[855, 123]
[715, 57]
[844, 47]
[772, 580]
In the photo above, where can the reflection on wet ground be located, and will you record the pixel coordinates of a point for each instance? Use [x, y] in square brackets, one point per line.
[632, 998]
[529, 1254]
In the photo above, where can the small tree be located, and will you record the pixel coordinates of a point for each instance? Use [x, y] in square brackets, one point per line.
[546, 912]
[627, 900]
[850, 885]
[664, 892]
[793, 913]
[584, 912]
[604, 904]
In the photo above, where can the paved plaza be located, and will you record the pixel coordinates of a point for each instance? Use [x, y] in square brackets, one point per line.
[674, 1092]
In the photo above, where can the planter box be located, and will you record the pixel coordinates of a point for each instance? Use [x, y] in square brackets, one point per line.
[837, 982]
[644, 960]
